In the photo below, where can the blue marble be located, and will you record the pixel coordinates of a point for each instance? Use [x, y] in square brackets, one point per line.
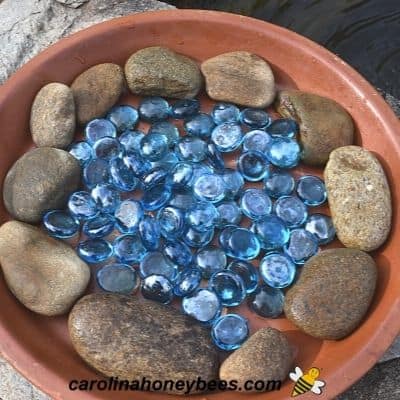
[81, 205]
[255, 118]
[225, 112]
[229, 288]
[178, 252]
[292, 210]
[157, 288]
[128, 215]
[124, 117]
[201, 125]
[182, 198]
[117, 278]
[106, 197]
[155, 176]
[181, 174]
[94, 251]
[209, 260]
[197, 239]
[311, 190]
[229, 214]
[256, 140]
[107, 148]
[96, 172]
[60, 224]
[267, 302]
[283, 152]
[321, 226]
[138, 164]
[150, 233]
[100, 226]
[200, 169]
[186, 108]
[301, 246]
[233, 182]
[283, 127]
[155, 197]
[255, 203]
[203, 305]
[122, 175]
[82, 151]
[168, 129]
[167, 162]
[279, 183]
[243, 244]
[191, 148]
[154, 109]
[155, 263]
[225, 235]
[227, 137]
[171, 221]
[253, 166]
[99, 128]
[247, 272]
[230, 331]
[209, 187]
[272, 232]
[202, 217]
[277, 270]
[187, 282]
[130, 141]
[214, 157]
[129, 249]
[154, 146]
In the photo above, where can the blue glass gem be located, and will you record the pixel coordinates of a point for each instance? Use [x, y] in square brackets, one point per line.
[106, 197]
[155, 197]
[181, 174]
[292, 210]
[255, 118]
[272, 232]
[154, 109]
[283, 127]
[185, 108]
[98, 227]
[155, 176]
[229, 214]
[233, 182]
[225, 235]
[202, 217]
[154, 146]
[243, 244]
[124, 117]
[311, 190]
[117, 278]
[203, 305]
[321, 227]
[200, 125]
[81, 205]
[191, 148]
[301, 246]
[227, 137]
[178, 252]
[253, 166]
[99, 128]
[230, 331]
[255, 203]
[267, 302]
[257, 140]
[283, 152]
[107, 148]
[277, 270]
[279, 184]
[130, 141]
[96, 172]
[156, 263]
[138, 164]
[209, 260]
[187, 282]
[229, 288]
[247, 272]
[195, 238]
[94, 250]
[129, 249]
[225, 112]
[171, 221]
[209, 187]
[167, 162]
[82, 151]
[182, 198]
[122, 175]
[60, 224]
[200, 169]
[157, 288]
[150, 233]
[214, 157]
[166, 128]
[128, 216]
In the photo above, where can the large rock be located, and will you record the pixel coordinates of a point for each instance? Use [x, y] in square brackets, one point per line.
[43, 273]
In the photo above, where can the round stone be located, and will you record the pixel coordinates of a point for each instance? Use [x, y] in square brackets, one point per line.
[272, 232]
[229, 214]
[243, 244]
[154, 146]
[130, 141]
[196, 239]
[157, 288]
[171, 221]
[166, 128]
[203, 305]
[200, 125]
[230, 331]
[124, 117]
[225, 112]
[94, 251]
[209, 187]
[233, 182]
[267, 302]
[186, 108]
[129, 249]
[182, 198]
[225, 235]
[301, 246]
[202, 217]
[200, 169]
[81, 205]
[117, 278]
[187, 282]
[60, 224]
[229, 288]
[279, 184]
[82, 151]
[283, 152]
[100, 226]
[247, 272]
[292, 210]
[128, 216]
[167, 162]
[155, 263]
[253, 166]
[178, 252]
[209, 260]
[150, 233]
[181, 174]
[214, 157]
[122, 175]
[138, 164]
[255, 118]
[255, 203]
[321, 226]
[191, 148]
[98, 129]
[107, 148]
[154, 109]
[106, 197]
[277, 270]
[311, 190]
[155, 176]
[155, 197]
[96, 172]
[283, 127]
[256, 140]
[227, 137]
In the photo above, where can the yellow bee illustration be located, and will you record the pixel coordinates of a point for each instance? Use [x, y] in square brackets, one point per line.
[306, 382]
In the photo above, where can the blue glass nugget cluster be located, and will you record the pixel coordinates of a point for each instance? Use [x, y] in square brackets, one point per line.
[163, 211]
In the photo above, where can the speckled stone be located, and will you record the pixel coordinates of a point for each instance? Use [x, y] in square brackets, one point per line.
[359, 198]
[333, 293]
[131, 338]
[42, 179]
[324, 124]
[36, 268]
[96, 90]
[53, 116]
[239, 77]
[159, 71]
[265, 356]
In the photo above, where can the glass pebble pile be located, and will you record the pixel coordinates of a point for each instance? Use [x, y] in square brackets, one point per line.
[163, 211]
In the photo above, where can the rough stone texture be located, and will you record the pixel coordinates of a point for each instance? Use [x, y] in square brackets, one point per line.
[46, 275]
[265, 356]
[42, 179]
[132, 339]
[359, 198]
[158, 71]
[239, 77]
[324, 124]
[332, 294]
[53, 116]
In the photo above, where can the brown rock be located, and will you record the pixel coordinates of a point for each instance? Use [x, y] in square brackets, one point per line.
[159, 71]
[239, 77]
[96, 90]
[43, 273]
[324, 124]
[333, 293]
[265, 356]
[131, 338]
[359, 198]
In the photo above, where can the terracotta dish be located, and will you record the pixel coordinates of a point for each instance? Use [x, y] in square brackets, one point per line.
[39, 347]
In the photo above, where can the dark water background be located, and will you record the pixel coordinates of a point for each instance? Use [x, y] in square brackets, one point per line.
[365, 33]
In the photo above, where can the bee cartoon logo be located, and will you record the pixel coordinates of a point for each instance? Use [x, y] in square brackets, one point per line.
[306, 382]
